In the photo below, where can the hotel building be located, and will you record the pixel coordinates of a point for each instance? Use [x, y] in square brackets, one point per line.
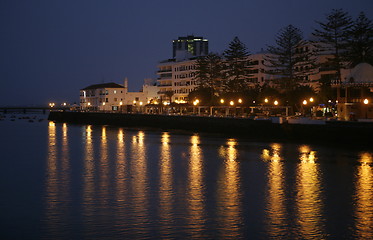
[176, 75]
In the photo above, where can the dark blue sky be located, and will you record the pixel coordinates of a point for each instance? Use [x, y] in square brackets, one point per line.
[51, 49]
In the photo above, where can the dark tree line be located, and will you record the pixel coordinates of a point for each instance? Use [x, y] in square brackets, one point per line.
[292, 59]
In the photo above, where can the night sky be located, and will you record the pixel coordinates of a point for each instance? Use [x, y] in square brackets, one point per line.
[50, 49]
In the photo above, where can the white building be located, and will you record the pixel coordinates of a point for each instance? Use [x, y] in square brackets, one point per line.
[105, 96]
[148, 94]
[114, 97]
[176, 79]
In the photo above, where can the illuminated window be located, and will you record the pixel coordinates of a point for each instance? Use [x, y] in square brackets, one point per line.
[115, 91]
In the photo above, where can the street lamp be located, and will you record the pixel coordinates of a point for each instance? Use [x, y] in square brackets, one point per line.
[266, 100]
[304, 102]
[240, 100]
[221, 101]
[366, 101]
[231, 103]
[276, 103]
[311, 99]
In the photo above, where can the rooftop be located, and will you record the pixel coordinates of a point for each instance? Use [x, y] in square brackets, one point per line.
[103, 85]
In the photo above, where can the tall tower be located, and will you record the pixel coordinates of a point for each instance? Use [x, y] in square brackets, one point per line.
[195, 46]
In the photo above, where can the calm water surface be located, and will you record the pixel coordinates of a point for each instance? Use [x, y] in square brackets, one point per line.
[61, 181]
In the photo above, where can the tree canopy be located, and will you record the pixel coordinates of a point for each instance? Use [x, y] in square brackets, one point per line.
[291, 59]
[360, 41]
[332, 37]
[236, 66]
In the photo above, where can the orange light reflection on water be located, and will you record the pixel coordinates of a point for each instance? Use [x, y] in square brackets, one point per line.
[195, 188]
[364, 197]
[165, 188]
[275, 209]
[229, 198]
[309, 203]
[139, 181]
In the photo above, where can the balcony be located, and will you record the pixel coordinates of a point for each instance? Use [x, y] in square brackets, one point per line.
[164, 71]
[165, 85]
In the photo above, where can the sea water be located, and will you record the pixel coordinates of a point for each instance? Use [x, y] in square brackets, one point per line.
[63, 181]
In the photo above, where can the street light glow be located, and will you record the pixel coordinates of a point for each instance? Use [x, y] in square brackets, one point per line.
[304, 102]
[311, 99]
[366, 101]
[276, 102]
[231, 103]
[221, 100]
[240, 100]
[266, 100]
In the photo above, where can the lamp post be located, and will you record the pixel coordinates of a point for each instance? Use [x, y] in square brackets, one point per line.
[366, 101]
[304, 106]
[195, 103]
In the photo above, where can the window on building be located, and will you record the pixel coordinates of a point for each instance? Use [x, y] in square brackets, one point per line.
[115, 99]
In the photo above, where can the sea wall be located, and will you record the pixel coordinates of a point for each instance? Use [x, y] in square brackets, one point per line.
[332, 132]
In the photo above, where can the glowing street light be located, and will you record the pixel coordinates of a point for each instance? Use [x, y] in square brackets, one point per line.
[231, 103]
[89, 104]
[311, 99]
[221, 100]
[103, 104]
[276, 103]
[121, 103]
[51, 104]
[366, 101]
[304, 102]
[140, 103]
[240, 100]
[266, 100]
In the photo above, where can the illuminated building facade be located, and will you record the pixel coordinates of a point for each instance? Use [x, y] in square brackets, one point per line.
[355, 93]
[195, 46]
[176, 75]
[105, 96]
